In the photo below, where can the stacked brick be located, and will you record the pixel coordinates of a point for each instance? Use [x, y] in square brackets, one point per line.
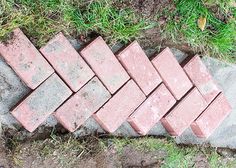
[112, 88]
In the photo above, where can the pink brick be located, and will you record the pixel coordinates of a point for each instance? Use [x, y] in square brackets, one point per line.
[25, 59]
[202, 78]
[43, 101]
[152, 110]
[105, 65]
[119, 107]
[139, 67]
[184, 113]
[172, 74]
[67, 62]
[82, 105]
[212, 117]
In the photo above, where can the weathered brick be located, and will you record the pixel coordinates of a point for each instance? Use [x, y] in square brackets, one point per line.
[67, 62]
[212, 117]
[25, 59]
[152, 110]
[139, 67]
[43, 101]
[82, 105]
[105, 65]
[172, 74]
[184, 113]
[201, 78]
[119, 107]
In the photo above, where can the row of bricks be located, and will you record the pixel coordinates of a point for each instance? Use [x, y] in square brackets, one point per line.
[91, 94]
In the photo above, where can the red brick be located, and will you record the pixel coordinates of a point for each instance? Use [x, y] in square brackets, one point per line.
[212, 117]
[152, 110]
[67, 62]
[105, 65]
[184, 113]
[25, 59]
[139, 67]
[172, 74]
[202, 78]
[43, 101]
[119, 107]
[82, 105]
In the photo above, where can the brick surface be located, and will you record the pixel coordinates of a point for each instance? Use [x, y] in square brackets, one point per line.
[139, 67]
[152, 110]
[82, 105]
[172, 74]
[67, 62]
[105, 65]
[25, 59]
[212, 117]
[119, 107]
[41, 103]
[202, 78]
[184, 113]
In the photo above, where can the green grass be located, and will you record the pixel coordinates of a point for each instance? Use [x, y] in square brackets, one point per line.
[219, 37]
[43, 19]
[177, 156]
[101, 17]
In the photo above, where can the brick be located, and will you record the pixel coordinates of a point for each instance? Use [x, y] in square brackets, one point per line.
[172, 74]
[184, 113]
[152, 110]
[201, 78]
[139, 67]
[105, 65]
[82, 105]
[25, 60]
[119, 107]
[212, 117]
[42, 102]
[67, 62]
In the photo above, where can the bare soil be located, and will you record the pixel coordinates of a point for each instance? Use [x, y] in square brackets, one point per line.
[28, 155]
[56, 149]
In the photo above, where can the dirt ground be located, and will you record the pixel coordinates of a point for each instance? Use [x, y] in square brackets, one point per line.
[30, 156]
[94, 152]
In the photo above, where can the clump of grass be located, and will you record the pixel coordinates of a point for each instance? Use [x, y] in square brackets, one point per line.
[219, 37]
[102, 17]
[43, 19]
[34, 17]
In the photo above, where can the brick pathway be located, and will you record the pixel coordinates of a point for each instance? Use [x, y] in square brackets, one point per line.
[112, 88]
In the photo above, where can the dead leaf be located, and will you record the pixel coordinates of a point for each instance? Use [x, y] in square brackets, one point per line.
[202, 23]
